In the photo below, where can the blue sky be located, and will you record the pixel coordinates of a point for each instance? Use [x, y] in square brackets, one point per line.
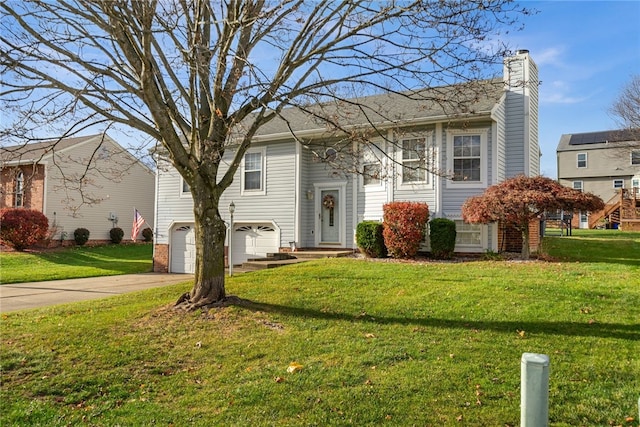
[586, 51]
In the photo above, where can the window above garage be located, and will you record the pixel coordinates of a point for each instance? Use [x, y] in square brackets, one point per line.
[253, 172]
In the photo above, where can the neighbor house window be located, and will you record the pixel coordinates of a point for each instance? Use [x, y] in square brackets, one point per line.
[618, 183]
[635, 157]
[582, 160]
[578, 185]
[19, 190]
[468, 234]
[467, 159]
[253, 166]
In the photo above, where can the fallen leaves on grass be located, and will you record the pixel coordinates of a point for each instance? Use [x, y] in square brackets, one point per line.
[294, 367]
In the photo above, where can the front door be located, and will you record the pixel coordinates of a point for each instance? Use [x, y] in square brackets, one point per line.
[330, 216]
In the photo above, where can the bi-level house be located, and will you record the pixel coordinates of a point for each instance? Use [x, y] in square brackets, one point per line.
[607, 164]
[87, 182]
[288, 195]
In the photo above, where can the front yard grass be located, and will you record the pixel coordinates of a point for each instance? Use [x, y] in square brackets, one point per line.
[75, 262]
[380, 343]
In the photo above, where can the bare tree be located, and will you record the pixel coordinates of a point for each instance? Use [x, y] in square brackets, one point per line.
[201, 77]
[626, 107]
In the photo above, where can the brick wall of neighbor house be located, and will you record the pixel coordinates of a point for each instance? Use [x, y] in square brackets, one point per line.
[33, 187]
[161, 258]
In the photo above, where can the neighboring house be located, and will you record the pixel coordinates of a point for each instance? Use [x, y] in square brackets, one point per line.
[289, 195]
[90, 182]
[607, 164]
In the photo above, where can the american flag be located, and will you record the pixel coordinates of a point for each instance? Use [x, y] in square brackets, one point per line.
[138, 220]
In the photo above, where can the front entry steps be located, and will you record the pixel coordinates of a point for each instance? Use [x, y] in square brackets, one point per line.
[280, 259]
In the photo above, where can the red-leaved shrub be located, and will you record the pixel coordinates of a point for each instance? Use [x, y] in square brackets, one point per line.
[21, 228]
[404, 227]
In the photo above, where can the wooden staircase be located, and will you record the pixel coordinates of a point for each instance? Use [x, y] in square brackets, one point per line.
[622, 210]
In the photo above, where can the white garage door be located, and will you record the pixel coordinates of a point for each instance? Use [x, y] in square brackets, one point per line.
[253, 241]
[183, 250]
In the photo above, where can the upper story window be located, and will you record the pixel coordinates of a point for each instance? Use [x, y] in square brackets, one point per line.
[581, 159]
[371, 167]
[253, 172]
[618, 183]
[578, 185]
[18, 200]
[467, 158]
[635, 157]
[414, 161]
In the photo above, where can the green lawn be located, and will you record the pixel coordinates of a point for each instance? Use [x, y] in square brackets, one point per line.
[80, 261]
[380, 343]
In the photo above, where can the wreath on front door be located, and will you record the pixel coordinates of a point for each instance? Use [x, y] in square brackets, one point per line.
[328, 201]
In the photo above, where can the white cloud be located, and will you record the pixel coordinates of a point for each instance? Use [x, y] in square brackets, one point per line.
[549, 56]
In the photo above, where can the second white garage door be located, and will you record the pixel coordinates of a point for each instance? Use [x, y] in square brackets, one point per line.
[253, 241]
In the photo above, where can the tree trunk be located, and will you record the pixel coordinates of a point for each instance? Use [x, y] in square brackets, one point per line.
[210, 230]
[526, 252]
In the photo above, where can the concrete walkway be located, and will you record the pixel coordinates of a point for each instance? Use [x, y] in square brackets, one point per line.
[21, 296]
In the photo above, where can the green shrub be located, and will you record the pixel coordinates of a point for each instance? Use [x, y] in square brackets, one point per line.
[147, 234]
[442, 236]
[21, 228]
[81, 235]
[404, 227]
[370, 239]
[116, 235]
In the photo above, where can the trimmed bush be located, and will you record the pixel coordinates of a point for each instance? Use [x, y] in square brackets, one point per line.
[370, 239]
[21, 228]
[442, 235]
[404, 227]
[147, 234]
[116, 234]
[81, 236]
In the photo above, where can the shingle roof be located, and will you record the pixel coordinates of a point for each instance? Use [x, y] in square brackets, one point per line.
[588, 140]
[461, 100]
[34, 152]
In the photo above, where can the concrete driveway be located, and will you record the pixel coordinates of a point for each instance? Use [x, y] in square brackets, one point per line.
[21, 296]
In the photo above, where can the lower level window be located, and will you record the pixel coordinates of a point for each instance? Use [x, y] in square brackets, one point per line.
[618, 183]
[468, 234]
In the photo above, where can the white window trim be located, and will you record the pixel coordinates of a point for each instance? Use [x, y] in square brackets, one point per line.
[430, 157]
[484, 159]
[263, 173]
[586, 161]
[618, 180]
[581, 185]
